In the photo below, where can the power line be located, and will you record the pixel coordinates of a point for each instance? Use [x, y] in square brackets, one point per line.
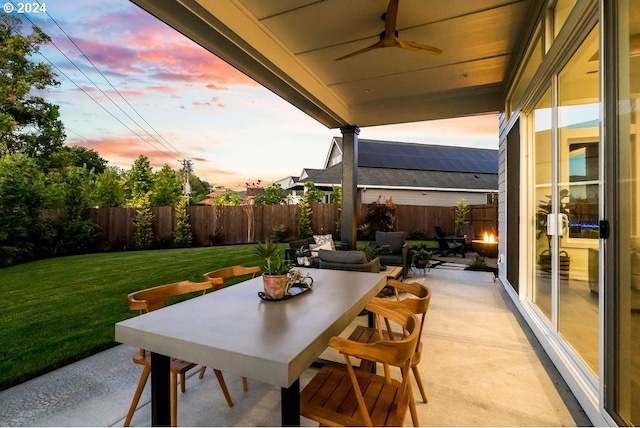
[105, 94]
[113, 87]
[87, 94]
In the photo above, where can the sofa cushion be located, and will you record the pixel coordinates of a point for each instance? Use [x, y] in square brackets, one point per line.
[391, 259]
[346, 257]
[395, 240]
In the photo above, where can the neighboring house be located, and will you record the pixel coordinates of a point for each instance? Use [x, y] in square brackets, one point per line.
[413, 174]
[287, 183]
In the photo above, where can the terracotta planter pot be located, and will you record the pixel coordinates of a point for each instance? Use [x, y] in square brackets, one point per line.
[275, 286]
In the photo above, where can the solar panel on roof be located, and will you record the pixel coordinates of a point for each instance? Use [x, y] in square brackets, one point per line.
[426, 157]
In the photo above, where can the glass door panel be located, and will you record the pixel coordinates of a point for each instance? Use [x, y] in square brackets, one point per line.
[627, 328]
[542, 171]
[578, 201]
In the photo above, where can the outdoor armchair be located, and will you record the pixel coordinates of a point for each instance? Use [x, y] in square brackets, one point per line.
[397, 251]
[417, 303]
[342, 395]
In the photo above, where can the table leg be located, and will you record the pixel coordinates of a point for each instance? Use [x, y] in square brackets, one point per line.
[160, 399]
[290, 404]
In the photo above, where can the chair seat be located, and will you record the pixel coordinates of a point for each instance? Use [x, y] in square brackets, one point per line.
[176, 365]
[328, 394]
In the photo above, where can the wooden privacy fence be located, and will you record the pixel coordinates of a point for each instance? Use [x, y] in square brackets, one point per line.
[247, 224]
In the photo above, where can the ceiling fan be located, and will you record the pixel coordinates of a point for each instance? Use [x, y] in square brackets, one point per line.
[389, 37]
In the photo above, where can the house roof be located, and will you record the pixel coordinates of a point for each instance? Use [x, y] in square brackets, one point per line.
[424, 157]
[406, 179]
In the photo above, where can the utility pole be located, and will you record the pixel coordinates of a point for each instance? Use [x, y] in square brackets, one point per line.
[187, 168]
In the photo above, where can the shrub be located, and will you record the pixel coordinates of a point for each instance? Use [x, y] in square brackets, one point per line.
[143, 222]
[182, 236]
[418, 235]
[278, 233]
[479, 263]
[381, 216]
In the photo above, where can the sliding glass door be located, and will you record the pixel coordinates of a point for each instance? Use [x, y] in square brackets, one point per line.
[565, 210]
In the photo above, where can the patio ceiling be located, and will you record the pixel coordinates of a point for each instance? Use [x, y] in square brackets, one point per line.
[290, 47]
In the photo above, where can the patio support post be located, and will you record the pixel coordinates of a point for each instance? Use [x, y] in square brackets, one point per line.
[349, 218]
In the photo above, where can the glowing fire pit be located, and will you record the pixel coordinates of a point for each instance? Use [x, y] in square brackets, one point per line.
[487, 247]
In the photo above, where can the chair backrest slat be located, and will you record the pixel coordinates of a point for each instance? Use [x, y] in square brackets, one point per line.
[150, 299]
[220, 276]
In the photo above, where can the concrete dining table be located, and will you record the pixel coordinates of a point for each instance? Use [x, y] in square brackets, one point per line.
[236, 331]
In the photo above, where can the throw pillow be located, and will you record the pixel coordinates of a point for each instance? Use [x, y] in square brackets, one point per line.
[322, 239]
[317, 247]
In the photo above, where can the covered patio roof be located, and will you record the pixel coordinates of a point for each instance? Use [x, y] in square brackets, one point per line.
[291, 47]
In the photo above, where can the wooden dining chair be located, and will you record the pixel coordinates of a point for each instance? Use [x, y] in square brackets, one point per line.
[148, 300]
[417, 303]
[340, 394]
[218, 279]
[227, 273]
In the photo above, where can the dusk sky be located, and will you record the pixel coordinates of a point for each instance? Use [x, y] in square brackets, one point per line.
[146, 89]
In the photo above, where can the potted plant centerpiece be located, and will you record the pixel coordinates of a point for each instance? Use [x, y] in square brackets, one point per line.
[302, 256]
[276, 269]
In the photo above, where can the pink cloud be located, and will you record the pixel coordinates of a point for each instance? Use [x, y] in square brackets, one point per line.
[154, 52]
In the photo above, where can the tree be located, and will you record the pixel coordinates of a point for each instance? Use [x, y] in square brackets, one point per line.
[312, 194]
[228, 199]
[76, 235]
[380, 216]
[109, 189]
[273, 195]
[78, 156]
[182, 236]
[304, 222]
[139, 179]
[28, 124]
[199, 189]
[143, 222]
[461, 216]
[167, 188]
[22, 192]
[336, 198]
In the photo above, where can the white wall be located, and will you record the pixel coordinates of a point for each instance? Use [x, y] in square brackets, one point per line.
[418, 197]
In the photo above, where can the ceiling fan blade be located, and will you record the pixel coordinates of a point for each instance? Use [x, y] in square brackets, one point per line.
[418, 47]
[389, 37]
[376, 45]
[391, 18]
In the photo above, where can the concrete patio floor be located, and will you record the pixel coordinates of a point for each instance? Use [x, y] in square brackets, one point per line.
[481, 366]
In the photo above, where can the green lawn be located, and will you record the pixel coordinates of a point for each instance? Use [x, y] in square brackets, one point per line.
[60, 310]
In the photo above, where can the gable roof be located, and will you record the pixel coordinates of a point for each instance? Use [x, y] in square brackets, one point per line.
[422, 157]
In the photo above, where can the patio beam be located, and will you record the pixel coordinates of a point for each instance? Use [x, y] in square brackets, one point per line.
[349, 217]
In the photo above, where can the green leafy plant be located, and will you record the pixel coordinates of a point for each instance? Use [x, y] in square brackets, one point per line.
[278, 233]
[143, 234]
[271, 255]
[182, 236]
[479, 264]
[372, 250]
[303, 252]
[421, 257]
[278, 266]
[462, 210]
